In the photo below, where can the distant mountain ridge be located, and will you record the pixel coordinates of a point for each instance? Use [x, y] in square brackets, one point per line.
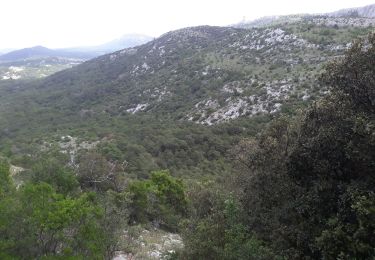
[39, 52]
[361, 16]
[126, 41]
[204, 74]
[365, 11]
[4, 51]
[81, 53]
[39, 61]
[26, 53]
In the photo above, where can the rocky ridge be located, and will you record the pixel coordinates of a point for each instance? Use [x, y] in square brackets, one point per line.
[208, 75]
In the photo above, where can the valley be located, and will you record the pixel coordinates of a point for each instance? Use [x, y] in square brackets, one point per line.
[230, 78]
[39, 62]
[36, 68]
[251, 141]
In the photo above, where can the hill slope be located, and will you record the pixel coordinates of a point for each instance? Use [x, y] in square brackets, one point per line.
[147, 104]
[356, 17]
[365, 11]
[205, 74]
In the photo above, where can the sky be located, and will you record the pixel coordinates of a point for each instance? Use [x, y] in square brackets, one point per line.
[68, 23]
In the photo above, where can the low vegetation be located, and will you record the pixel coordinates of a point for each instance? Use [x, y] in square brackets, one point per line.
[95, 181]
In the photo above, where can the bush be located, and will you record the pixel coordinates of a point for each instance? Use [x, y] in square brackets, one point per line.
[161, 200]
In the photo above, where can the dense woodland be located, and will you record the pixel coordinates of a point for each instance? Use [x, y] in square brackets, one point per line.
[305, 188]
[294, 185]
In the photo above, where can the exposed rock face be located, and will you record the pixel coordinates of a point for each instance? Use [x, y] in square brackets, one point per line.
[152, 244]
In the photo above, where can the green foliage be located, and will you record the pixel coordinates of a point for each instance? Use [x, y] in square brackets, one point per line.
[220, 233]
[41, 219]
[349, 235]
[116, 210]
[5, 180]
[160, 199]
[51, 171]
[169, 190]
[98, 174]
[354, 75]
[90, 101]
[305, 187]
[55, 220]
[140, 203]
[239, 244]
[335, 154]
[306, 184]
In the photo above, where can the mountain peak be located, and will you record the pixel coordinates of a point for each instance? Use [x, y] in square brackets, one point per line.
[38, 47]
[26, 53]
[35, 52]
[367, 11]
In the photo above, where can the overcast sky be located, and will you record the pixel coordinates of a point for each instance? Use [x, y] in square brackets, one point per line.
[65, 23]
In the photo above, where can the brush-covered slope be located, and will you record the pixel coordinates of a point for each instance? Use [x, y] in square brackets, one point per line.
[149, 105]
[204, 74]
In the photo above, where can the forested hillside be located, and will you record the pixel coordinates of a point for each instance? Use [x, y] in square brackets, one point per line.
[206, 143]
[305, 188]
[169, 90]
